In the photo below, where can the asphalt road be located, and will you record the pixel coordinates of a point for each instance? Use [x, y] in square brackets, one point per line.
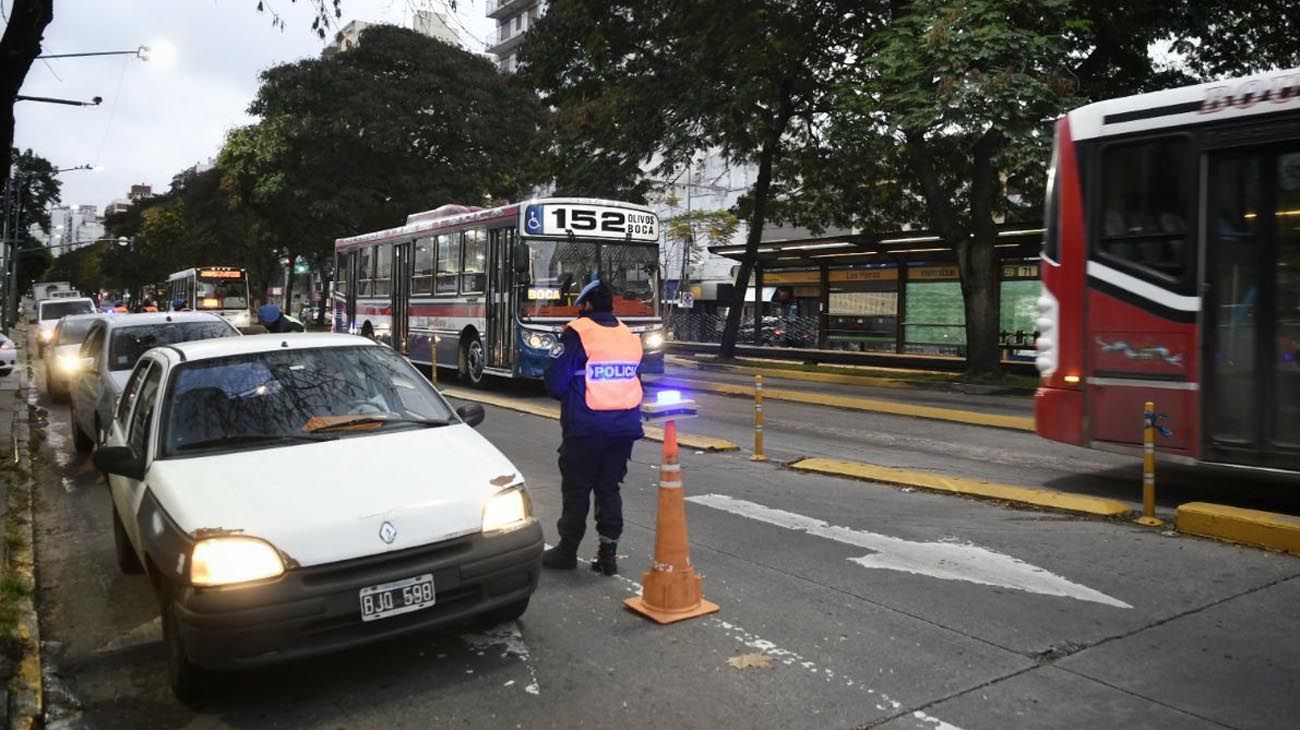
[922, 611]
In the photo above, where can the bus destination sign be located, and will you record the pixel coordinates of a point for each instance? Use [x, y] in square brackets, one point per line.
[221, 274]
[589, 221]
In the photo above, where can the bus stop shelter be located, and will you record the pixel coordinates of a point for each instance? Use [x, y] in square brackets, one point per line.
[894, 292]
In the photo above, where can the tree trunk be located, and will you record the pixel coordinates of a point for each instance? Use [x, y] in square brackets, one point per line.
[19, 48]
[758, 217]
[978, 263]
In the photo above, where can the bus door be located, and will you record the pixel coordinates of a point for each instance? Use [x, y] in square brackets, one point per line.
[401, 296]
[347, 270]
[500, 299]
[1251, 304]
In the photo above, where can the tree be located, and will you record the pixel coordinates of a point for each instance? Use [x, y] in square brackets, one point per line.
[357, 141]
[21, 44]
[654, 82]
[948, 113]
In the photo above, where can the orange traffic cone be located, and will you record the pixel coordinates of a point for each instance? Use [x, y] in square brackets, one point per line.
[671, 591]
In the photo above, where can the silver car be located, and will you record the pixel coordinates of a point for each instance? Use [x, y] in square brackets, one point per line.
[111, 349]
[61, 356]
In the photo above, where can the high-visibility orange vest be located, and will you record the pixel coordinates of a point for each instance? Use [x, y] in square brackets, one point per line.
[613, 355]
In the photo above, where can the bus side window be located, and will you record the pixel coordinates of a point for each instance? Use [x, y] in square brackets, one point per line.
[341, 272]
[364, 270]
[474, 278]
[1146, 188]
[448, 264]
[422, 272]
[383, 270]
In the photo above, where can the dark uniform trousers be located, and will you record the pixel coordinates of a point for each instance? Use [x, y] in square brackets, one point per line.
[592, 464]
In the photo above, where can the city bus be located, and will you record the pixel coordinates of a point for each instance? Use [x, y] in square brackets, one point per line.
[487, 291]
[222, 290]
[1171, 274]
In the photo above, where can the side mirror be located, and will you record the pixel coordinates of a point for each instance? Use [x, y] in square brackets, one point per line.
[119, 460]
[472, 414]
[520, 255]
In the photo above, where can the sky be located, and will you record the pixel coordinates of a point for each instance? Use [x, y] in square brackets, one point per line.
[156, 121]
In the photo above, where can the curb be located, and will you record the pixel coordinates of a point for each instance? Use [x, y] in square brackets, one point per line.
[654, 433]
[1269, 530]
[26, 687]
[1032, 496]
[895, 408]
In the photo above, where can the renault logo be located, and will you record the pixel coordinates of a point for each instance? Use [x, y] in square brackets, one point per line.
[387, 532]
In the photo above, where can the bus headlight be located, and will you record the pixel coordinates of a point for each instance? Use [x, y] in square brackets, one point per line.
[505, 510]
[653, 340]
[540, 340]
[220, 561]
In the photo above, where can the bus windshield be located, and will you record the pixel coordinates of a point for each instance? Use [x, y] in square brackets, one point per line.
[559, 269]
[221, 294]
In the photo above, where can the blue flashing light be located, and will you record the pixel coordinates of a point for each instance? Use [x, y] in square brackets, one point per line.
[667, 397]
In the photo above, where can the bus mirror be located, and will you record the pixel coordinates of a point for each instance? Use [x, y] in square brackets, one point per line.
[519, 254]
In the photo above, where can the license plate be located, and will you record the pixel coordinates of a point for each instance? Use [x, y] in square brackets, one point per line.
[396, 598]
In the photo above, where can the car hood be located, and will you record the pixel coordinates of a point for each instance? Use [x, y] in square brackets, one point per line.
[325, 502]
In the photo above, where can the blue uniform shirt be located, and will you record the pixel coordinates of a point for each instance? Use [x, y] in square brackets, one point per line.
[566, 383]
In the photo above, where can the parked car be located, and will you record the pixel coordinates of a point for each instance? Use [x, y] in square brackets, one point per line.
[291, 496]
[61, 366]
[50, 311]
[8, 356]
[110, 350]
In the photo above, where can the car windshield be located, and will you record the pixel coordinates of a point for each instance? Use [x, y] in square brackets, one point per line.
[129, 343]
[55, 310]
[225, 294]
[73, 331]
[559, 269]
[284, 397]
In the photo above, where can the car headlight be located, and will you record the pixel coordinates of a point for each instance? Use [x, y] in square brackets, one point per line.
[68, 364]
[540, 340]
[7, 345]
[220, 561]
[653, 340]
[46, 335]
[505, 510]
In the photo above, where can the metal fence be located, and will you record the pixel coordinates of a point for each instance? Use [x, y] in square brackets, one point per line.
[798, 332]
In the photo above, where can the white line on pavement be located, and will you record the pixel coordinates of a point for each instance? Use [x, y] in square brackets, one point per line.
[943, 560]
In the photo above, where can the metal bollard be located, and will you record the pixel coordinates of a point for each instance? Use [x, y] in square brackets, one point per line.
[758, 420]
[433, 369]
[1149, 467]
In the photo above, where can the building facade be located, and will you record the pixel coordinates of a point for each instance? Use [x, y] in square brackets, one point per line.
[424, 22]
[514, 18]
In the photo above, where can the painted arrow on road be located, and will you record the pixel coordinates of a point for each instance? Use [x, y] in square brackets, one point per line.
[944, 560]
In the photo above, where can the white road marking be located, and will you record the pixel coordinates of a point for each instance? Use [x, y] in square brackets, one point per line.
[789, 658]
[943, 560]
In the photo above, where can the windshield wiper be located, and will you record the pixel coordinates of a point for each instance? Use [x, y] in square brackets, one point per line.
[379, 420]
[255, 438]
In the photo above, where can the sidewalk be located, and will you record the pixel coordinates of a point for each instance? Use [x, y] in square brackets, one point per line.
[21, 694]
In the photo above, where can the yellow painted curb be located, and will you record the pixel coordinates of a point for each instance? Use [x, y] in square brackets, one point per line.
[1051, 499]
[689, 441]
[1269, 530]
[896, 408]
[833, 378]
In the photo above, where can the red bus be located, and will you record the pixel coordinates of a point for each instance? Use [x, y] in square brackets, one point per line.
[1171, 273]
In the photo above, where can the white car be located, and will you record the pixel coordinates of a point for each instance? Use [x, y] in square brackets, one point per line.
[110, 350]
[61, 366]
[291, 495]
[50, 311]
[8, 356]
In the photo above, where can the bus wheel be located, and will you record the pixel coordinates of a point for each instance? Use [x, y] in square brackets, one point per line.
[473, 358]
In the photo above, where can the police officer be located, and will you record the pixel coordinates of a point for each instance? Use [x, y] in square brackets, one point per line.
[276, 321]
[595, 377]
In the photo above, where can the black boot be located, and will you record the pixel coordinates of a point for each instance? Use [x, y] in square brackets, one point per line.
[606, 560]
[561, 557]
